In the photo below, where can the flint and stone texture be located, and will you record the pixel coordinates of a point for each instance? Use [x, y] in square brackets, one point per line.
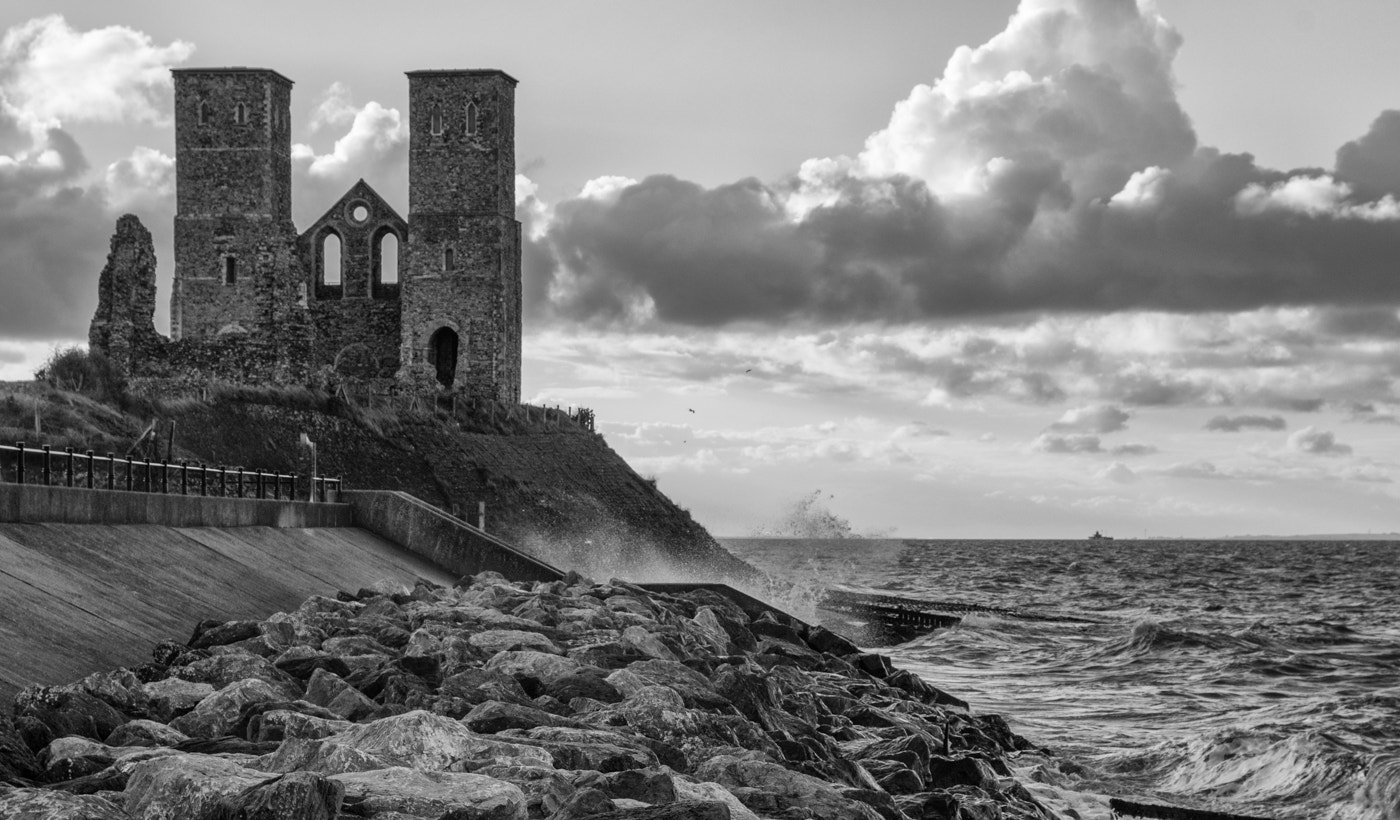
[126, 297]
[255, 302]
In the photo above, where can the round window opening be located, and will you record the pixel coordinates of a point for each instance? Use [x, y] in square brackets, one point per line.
[359, 213]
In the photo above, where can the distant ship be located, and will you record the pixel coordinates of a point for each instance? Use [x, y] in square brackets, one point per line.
[1098, 536]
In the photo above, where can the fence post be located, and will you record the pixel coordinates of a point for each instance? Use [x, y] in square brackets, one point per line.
[184, 477]
[150, 476]
[91, 465]
[111, 471]
[260, 483]
[276, 486]
[128, 473]
[19, 465]
[165, 476]
[68, 480]
[223, 481]
[203, 479]
[240, 482]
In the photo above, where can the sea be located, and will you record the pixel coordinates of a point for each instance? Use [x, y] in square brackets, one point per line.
[1259, 678]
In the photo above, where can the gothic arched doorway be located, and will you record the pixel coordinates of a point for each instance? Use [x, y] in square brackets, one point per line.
[442, 354]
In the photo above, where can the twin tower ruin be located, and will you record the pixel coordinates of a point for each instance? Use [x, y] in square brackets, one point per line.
[431, 302]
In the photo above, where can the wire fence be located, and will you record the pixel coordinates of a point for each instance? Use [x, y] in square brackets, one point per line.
[20, 464]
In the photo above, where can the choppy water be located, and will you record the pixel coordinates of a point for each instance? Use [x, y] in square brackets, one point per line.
[1250, 677]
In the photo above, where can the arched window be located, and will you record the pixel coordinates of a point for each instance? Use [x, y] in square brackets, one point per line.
[389, 259]
[330, 259]
[204, 113]
[240, 114]
[447, 259]
[471, 118]
[435, 121]
[230, 270]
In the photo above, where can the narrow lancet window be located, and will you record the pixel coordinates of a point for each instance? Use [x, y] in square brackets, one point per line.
[230, 270]
[203, 113]
[471, 118]
[435, 121]
[447, 259]
[240, 114]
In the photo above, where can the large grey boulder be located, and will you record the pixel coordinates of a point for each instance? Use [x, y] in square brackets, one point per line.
[432, 794]
[43, 804]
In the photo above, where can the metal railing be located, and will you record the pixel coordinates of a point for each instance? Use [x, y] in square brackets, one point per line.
[65, 468]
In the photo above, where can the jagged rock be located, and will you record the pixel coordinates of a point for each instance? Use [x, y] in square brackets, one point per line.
[176, 787]
[301, 662]
[43, 804]
[170, 698]
[18, 763]
[591, 749]
[694, 688]
[610, 654]
[145, 733]
[960, 771]
[221, 670]
[528, 664]
[492, 641]
[63, 712]
[584, 803]
[689, 789]
[419, 740]
[432, 794]
[684, 810]
[215, 633]
[786, 787]
[218, 713]
[651, 785]
[69, 757]
[495, 716]
[279, 722]
[584, 684]
[345, 701]
[301, 795]
[647, 642]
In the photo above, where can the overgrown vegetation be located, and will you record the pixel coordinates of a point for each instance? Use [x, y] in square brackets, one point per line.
[88, 373]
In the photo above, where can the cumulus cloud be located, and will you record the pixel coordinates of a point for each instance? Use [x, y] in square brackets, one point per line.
[1051, 168]
[1118, 472]
[1073, 443]
[1317, 442]
[1195, 469]
[1133, 450]
[1100, 418]
[1234, 424]
[52, 73]
[373, 147]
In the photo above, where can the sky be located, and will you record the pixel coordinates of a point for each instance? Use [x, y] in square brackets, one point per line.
[965, 269]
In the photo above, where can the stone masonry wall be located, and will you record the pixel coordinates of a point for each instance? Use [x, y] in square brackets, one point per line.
[122, 327]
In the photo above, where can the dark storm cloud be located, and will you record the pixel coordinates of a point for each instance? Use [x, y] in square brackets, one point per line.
[52, 242]
[1234, 424]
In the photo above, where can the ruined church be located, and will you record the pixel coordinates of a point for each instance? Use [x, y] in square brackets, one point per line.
[432, 302]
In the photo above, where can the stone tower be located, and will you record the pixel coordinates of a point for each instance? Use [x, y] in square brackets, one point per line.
[461, 293]
[235, 260]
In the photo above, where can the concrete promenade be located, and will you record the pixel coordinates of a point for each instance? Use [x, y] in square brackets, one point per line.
[78, 595]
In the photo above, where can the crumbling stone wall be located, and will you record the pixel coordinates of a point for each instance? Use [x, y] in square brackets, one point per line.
[122, 327]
